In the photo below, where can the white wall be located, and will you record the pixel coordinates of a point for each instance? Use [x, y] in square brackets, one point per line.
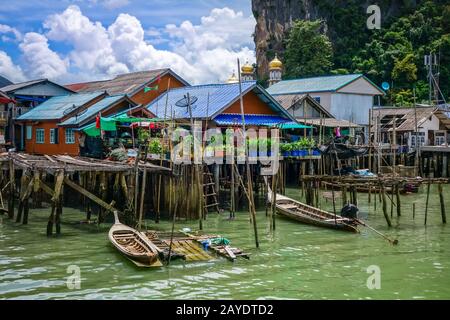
[352, 107]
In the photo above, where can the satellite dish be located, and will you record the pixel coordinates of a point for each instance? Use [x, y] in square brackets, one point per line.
[184, 103]
[385, 86]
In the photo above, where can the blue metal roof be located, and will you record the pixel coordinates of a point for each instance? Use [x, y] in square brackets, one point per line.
[316, 84]
[211, 100]
[54, 108]
[93, 110]
[220, 96]
[250, 120]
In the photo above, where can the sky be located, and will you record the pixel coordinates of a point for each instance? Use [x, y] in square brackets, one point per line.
[71, 41]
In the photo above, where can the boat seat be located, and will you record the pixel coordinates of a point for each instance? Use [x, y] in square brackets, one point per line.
[288, 206]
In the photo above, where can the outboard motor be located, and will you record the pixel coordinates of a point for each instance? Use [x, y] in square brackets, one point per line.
[350, 211]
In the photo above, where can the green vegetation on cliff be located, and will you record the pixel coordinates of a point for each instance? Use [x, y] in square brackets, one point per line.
[393, 54]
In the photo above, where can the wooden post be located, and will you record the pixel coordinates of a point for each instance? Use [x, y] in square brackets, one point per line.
[426, 204]
[414, 210]
[386, 216]
[141, 207]
[344, 194]
[441, 198]
[23, 185]
[11, 190]
[397, 193]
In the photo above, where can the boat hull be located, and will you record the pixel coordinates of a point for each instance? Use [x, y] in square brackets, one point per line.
[134, 246]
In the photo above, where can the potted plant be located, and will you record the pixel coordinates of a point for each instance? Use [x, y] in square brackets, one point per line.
[286, 149]
[252, 148]
[155, 148]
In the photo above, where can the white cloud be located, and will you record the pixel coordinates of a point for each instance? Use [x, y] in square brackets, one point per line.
[91, 45]
[5, 29]
[200, 53]
[9, 70]
[41, 62]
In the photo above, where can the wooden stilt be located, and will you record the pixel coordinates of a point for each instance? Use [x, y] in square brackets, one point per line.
[383, 192]
[426, 204]
[11, 190]
[441, 199]
[398, 204]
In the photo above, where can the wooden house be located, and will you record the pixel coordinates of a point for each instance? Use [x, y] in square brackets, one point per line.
[219, 105]
[26, 96]
[308, 111]
[345, 97]
[53, 126]
[397, 126]
[5, 104]
[141, 87]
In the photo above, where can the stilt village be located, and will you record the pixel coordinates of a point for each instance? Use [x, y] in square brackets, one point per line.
[109, 149]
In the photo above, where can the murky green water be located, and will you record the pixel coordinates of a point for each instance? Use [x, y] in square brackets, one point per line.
[298, 261]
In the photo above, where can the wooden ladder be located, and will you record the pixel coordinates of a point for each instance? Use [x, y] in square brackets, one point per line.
[209, 191]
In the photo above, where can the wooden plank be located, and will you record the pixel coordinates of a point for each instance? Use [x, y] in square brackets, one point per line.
[89, 195]
[49, 158]
[46, 188]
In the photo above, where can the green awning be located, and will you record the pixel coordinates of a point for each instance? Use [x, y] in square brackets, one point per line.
[293, 125]
[109, 124]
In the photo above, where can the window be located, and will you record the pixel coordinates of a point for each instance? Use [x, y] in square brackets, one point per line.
[439, 138]
[52, 136]
[420, 138]
[29, 132]
[317, 99]
[40, 135]
[70, 136]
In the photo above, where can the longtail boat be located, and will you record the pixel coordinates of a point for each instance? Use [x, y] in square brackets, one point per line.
[304, 213]
[133, 245]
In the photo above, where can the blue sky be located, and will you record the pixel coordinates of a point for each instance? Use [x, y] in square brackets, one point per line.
[78, 40]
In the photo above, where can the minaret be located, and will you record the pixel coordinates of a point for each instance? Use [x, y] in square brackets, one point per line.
[275, 69]
[233, 78]
[247, 72]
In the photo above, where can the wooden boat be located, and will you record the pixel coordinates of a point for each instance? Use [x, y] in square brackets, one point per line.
[134, 245]
[304, 213]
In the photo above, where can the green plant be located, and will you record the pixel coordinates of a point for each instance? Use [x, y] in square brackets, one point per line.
[143, 134]
[286, 147]
[155, 147]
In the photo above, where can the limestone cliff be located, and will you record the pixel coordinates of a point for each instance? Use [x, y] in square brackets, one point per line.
[275, 17]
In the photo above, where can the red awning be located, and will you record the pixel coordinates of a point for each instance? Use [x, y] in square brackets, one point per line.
[6, 100]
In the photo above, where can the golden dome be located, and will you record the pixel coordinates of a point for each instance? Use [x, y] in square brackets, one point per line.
[247, 68]
[275, 63]
[233, 78]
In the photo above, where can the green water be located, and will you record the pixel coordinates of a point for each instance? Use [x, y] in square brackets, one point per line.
[297, 261]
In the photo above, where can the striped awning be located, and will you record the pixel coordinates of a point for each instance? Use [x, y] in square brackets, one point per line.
[250, 120]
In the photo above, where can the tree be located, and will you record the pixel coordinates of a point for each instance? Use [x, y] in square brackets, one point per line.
[308, 50]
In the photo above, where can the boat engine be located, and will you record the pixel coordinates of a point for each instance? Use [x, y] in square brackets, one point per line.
[350, 211]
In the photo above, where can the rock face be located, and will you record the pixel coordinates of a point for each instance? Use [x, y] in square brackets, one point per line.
[275, 17]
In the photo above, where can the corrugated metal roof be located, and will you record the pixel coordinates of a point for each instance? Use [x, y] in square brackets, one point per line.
[55, 107]
[16, 86]
[288, 100]
[405, 118]
[93, 110]
[250, 120]
[315, 84]
[220, 96]
[127, 83]
[4, 82]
